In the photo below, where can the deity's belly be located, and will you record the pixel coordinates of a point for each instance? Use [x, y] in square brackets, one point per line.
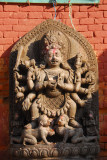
[53, 92]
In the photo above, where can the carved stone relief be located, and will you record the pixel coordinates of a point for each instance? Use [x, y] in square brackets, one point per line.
[53, 94]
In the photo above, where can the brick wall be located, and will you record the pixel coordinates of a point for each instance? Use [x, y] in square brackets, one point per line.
[18, 19]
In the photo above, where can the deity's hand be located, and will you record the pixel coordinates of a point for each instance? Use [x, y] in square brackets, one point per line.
[51, 84]
[18, 75]
[26, 104]
[82, 103]
[61, 81]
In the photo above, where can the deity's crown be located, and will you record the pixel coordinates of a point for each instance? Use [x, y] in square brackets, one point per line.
[52, 40]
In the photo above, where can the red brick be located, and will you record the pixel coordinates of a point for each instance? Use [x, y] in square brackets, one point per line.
[105, 66]
[22, 28]
[105, 146]
[101, 8]
[15, 39]
[87, 8]
[100, 46]
[101, 65]
[1, 34]
[101, 33]
[95, 40]
[30, 22]
[11, 34]
[105, 27]
[1, 86]
[105, 78]
[101, 21]
[100, 55]
[19, 15]
[63, 21]
[21, 34]
[105, 118]
[96, 14]
[1, 49]
[88, 34]
[104, 1]
[47, 15]
[80, 14]
[37, 15]
[62, 15]
[105, 104]
[102, 145]
[1, 8]
[1, 21]
[101, 79]
[5, 47]
[81, 28]
[75, 21]
[6, 40]
[87, 21]
[11, 8]
[6, 14]
[101, 118]
[105, 40]
[102, 126]
[5, 27]
[10, 21]
[95, 27]
[74, 8]
[50, 8]
[105, 91]
[101, 1]
[31, 8]
[105, 13]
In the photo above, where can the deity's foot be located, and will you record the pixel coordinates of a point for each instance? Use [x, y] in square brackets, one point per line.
[74, 123]
[30, 125]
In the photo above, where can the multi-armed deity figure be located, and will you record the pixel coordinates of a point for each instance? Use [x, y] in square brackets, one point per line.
[53, 89]
[53, 86]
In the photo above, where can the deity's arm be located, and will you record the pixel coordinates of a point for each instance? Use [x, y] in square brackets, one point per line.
[85, 67]
[77, 80]
[30, 75]
[23, 89]
[19, 76]
[83, 81]
[68, 87]
[65, 82]
[31, 96]
[28, 101]
[40, 83]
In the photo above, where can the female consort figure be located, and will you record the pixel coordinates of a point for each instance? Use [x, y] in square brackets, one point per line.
[50, 91]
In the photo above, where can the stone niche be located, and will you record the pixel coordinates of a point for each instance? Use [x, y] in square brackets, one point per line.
[53, 95]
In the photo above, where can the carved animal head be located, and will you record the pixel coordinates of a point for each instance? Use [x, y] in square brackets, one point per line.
[63, 120]
[44, 121]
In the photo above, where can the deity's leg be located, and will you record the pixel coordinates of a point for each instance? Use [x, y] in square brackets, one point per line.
[34, 115]
[30, 139]
[34, 111]
[71, 114]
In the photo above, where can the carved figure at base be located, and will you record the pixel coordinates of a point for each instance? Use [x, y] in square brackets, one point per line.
[66, 131]
[31, 136]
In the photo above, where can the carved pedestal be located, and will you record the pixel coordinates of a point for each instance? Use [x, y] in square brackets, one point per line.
[53, 95]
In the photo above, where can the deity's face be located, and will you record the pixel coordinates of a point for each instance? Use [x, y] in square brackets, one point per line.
[78, 62]
[53, 57]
